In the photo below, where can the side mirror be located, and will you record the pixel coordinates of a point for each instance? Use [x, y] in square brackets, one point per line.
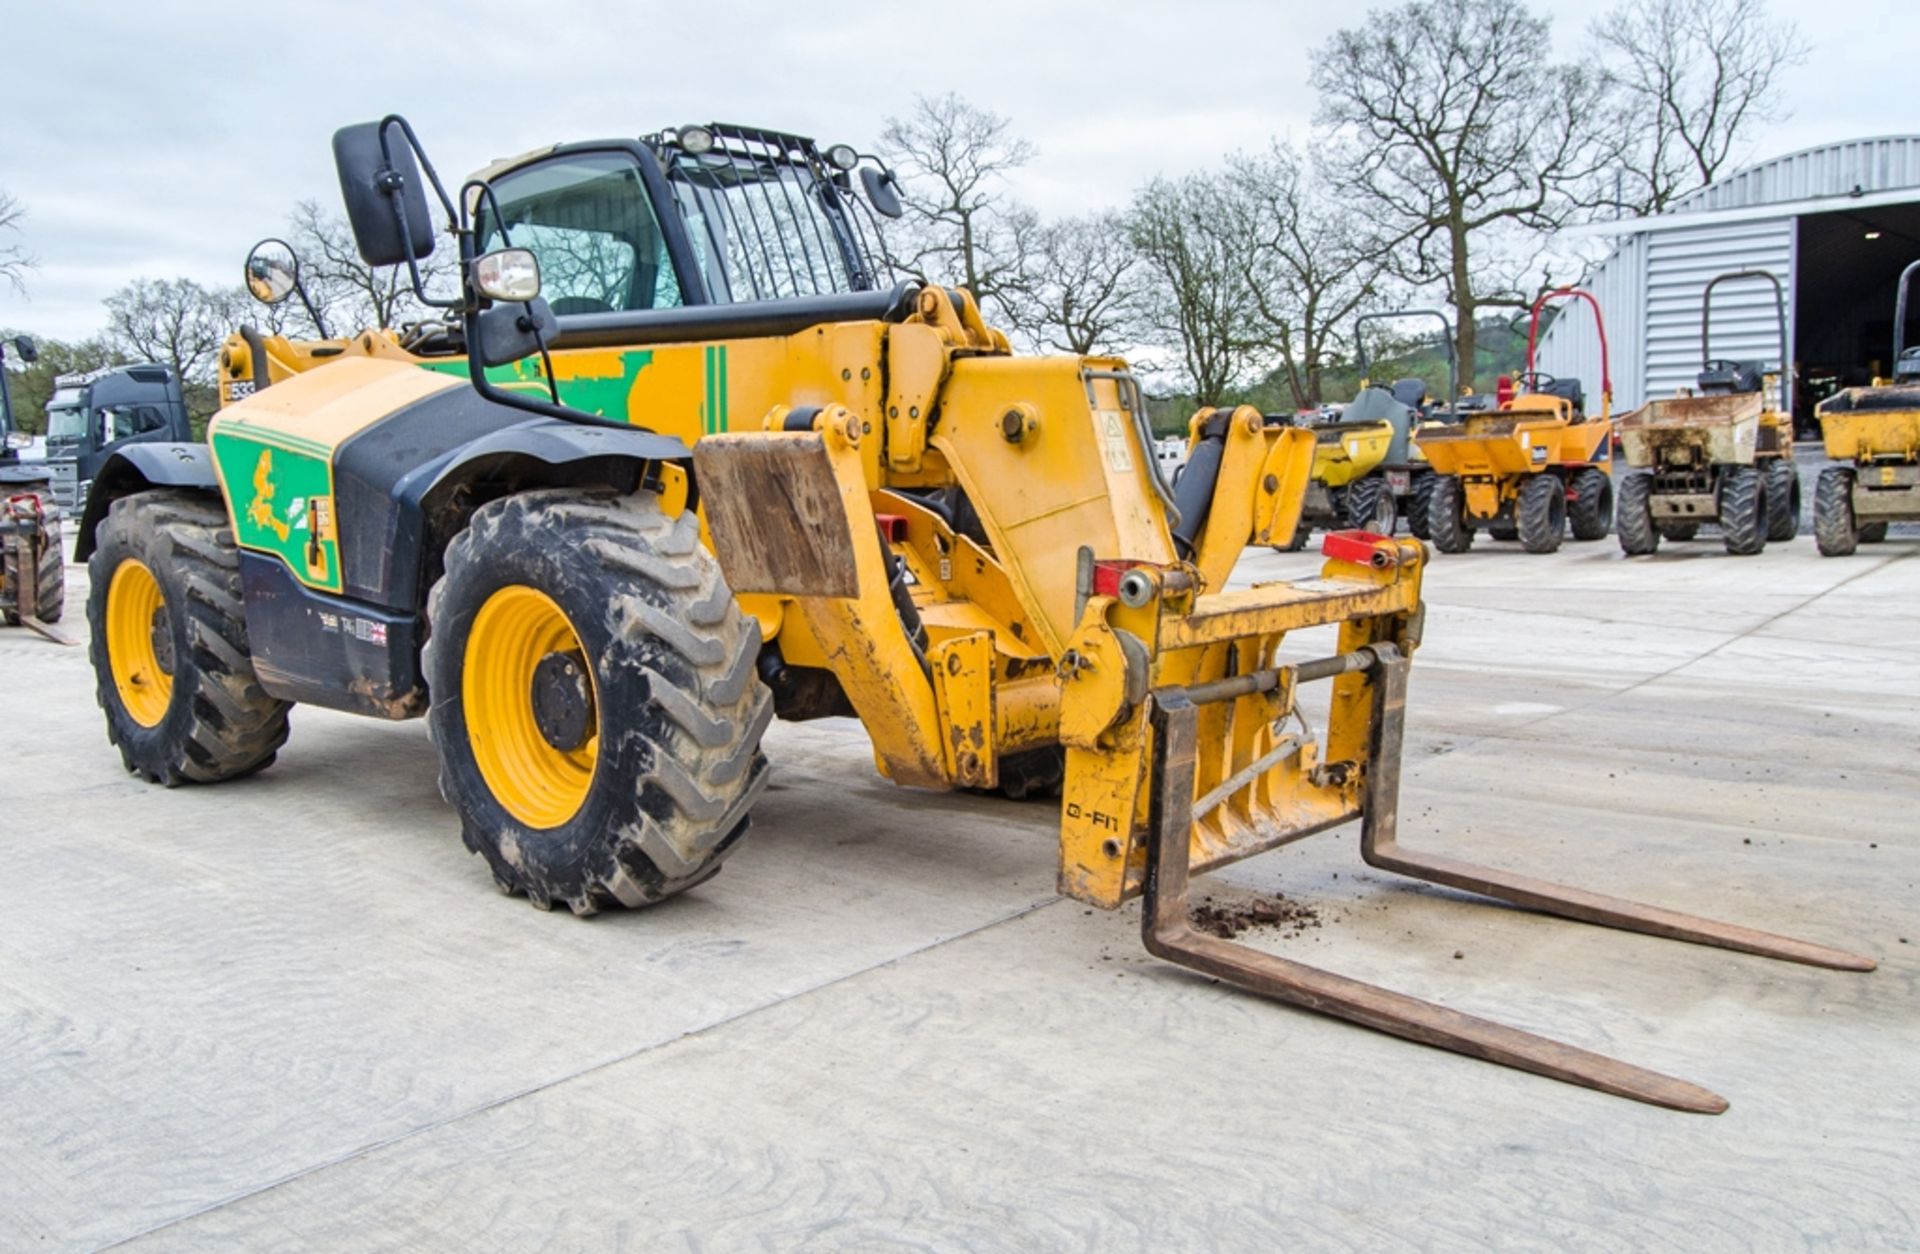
[377, 190]
[26, 349]
[508, 274]
[505, 334]
[882, 192]
[272, 271]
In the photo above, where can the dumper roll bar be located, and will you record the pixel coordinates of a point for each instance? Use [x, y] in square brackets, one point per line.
[1900, 313]
[1453, 350]
[1168, 932]
[1780, 317]
[1599, 322]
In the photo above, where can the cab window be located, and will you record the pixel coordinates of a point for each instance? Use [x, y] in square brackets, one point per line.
[587, 218]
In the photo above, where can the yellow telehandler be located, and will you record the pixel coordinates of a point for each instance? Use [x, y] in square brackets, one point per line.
[680, 457]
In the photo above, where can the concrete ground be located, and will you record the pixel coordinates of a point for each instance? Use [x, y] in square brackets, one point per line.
[291, 1011]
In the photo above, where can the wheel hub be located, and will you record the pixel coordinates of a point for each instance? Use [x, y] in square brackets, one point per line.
[563, 700]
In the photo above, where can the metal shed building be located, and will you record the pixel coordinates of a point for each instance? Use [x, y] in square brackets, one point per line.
[1835, 224]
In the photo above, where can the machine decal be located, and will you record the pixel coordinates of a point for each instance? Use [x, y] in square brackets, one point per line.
[598, 382]
[713, 413]
[281, 490]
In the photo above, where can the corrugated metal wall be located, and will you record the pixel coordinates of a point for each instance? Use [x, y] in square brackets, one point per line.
[1882, 163]
[1650, 292]
[1571, 349]
[1679, 263]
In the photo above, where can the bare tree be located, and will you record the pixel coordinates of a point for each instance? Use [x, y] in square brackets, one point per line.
[1696, 77]
[1456, 138]
[1194, 299]
[960, 227]
[1079, 293]
[1307, 267]
[176, 322]
[350, 294]
[15, 260]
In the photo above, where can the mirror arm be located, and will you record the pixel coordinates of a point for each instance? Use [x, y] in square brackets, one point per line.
[319, 323]
[389, 184]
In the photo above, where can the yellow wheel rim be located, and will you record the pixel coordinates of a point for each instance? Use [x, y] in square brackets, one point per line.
[537, 782]
[133, 601]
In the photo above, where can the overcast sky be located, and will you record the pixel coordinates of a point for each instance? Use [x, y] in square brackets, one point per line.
[162, 139]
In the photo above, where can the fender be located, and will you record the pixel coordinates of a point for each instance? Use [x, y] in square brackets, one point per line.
[136, 468]
[386, 563]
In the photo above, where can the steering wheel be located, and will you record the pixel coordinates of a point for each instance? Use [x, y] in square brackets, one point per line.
[1535, 380]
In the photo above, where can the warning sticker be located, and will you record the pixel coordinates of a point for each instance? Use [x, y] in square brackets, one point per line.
[1113, 438]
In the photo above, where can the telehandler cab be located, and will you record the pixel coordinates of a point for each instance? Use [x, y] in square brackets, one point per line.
[1724, 456]
[682, 457]
[1531, 467]
[1874, 432]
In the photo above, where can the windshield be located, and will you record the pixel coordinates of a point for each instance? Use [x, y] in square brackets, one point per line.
[587, 218]
[66, 422]
[765, 223]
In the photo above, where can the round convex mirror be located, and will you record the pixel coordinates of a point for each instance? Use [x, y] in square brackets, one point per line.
[272, 271]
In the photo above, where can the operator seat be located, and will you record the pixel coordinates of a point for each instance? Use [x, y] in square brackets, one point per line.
[1410, 392]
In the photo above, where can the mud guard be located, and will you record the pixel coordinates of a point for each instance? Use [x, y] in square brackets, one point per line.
[140, 466]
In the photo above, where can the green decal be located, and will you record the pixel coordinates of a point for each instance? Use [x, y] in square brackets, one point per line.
[281, 490]
[713, 413]
[605, 395]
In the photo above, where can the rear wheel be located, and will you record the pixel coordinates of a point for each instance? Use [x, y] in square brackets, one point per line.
[1678, 532]
[1873, 533]
[1743, 510]
[594, 699]
[1370, 507]
[1447, 515]
[1590, 511]
[1540, 513]
[170, 657]
[1419, 496]
[1633, 519]
[50, 579]
[1833, 530]
[1783, 499]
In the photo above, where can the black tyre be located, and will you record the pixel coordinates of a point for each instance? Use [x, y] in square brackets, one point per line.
[594, 699]
[1419, 498]
[1370, 507]
[1873, 533]
[1633, 517]
[1302, 531]
[1590, 510]
[1447, 523]
[50, 580]
[1678, 532]
[1743, 510]
[1503, 529]
[1540, 513]
[1833, 530]
[170, 659]
[1783, 499]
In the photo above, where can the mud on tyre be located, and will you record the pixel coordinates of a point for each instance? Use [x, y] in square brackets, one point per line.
[1540, 513]
[594, 699]
[1783, 499]
[1834, 532]
[1447, 523]
[171, 664]
[1633, 517]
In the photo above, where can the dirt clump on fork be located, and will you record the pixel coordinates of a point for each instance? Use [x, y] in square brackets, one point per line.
[1228, 920]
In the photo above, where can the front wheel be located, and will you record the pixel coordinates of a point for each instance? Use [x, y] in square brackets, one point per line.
[1834, 533]
[1743, 510]
[172, 668]
[1370, 507]
[1783, 500]
[1590, 511]
[594, 699]
[1540, 513]
[1633, 519]
[1447, 515]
